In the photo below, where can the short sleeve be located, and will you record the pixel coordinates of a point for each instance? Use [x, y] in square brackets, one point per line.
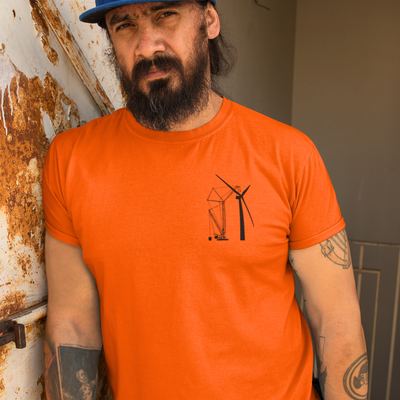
[57, 217]
[315, 213]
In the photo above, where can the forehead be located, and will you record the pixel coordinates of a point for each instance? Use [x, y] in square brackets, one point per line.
[145, 9]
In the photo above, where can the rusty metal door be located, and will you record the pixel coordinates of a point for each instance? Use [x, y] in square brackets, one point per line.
[46, 87]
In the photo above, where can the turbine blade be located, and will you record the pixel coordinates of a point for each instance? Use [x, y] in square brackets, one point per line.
[228, 185]
[245, 191]
[248, 210]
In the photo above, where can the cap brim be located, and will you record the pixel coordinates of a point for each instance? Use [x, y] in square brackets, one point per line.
[96, 14]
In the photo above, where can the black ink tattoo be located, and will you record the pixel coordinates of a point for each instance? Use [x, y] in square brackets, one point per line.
[72, 373]
[337, 249]
[322, 374]
[291, 260]
[355, 380]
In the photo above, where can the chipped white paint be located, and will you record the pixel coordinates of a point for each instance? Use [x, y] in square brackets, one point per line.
[94, 45]
[48, 126]
[47, 13]
[25, 363]
[22, 272]
[7, 72]
[13, 278]
[25, 49]
[4, 245]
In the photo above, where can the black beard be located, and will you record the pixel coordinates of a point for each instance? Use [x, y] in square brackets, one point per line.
[164, 106]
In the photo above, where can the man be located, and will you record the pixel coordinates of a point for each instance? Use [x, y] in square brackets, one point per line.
[169, 228]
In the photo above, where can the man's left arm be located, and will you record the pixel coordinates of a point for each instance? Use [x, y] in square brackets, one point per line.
[326, 274]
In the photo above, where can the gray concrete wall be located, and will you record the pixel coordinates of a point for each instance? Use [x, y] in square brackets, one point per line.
[346, 98]
[263, 77]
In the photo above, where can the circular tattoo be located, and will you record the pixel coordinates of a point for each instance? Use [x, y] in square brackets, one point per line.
[355, 380]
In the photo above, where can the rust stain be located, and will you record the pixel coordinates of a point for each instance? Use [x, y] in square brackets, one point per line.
[43, 29]
[23, 146]
[12, 303]
[76, 56]
[54, 19]
[35, 330]
[2, 48]
[4, 353]
[24, 261]
[78, 7]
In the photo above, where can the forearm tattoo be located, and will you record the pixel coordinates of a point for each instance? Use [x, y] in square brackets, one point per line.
[71, 373]
[322, 373]
[337, 249]
[355, 380]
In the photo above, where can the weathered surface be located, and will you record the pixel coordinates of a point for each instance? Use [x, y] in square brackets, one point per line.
[37, 85]
[43, 31]
[94, 45]
[21, 374]
[27, 105]
[50, 13]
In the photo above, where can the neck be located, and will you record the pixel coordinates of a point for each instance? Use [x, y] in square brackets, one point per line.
[206, 115]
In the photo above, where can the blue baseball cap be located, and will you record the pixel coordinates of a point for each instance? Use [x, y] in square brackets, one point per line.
[96, 14]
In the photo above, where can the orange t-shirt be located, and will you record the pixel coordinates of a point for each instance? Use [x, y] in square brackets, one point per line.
[188, 309]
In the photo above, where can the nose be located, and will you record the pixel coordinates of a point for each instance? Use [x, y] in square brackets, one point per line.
[149, 42]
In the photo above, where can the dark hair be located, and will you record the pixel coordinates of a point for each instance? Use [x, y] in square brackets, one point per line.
[222, 52]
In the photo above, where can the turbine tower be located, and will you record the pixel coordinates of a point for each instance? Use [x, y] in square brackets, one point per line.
[240, 198]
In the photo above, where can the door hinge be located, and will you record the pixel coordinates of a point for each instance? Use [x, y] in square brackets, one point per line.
[11, 331]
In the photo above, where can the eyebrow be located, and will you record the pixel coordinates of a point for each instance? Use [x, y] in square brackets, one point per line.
[166, 4]
[116, 18]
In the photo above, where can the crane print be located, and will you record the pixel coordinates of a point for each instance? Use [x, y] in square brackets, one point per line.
[217, 212]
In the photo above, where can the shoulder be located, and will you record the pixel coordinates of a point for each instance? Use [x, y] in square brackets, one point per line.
[89, 139]
[94, 130]
[272, 136]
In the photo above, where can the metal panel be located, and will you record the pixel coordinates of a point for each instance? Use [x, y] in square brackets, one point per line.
[27, 104]
[21, 370]
[94, 45]
[53, 18]
[41, 95]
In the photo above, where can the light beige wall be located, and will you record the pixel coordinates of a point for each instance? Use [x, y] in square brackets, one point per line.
[346, 98]
[263, 77]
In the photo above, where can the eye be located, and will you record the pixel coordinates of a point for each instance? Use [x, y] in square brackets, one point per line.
[167, 14]
[123, 26]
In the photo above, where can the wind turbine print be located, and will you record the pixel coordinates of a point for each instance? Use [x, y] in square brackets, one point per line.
[240, 197]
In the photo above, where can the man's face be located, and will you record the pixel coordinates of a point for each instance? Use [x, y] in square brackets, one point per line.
[162, 52]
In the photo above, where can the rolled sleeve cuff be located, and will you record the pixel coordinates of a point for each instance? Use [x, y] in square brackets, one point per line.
[333, 230]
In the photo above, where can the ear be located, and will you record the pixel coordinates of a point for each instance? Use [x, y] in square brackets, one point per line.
[213, 22]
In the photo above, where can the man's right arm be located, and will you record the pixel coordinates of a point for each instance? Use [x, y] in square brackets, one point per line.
[73, 335]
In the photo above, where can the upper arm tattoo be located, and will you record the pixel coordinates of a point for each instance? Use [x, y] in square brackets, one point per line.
[355, 380]
[337, 249]
[72, 373]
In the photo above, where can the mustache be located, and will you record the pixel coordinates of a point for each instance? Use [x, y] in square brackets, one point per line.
[163, 62]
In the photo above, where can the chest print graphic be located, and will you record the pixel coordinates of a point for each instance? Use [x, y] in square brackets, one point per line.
[217, 212]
